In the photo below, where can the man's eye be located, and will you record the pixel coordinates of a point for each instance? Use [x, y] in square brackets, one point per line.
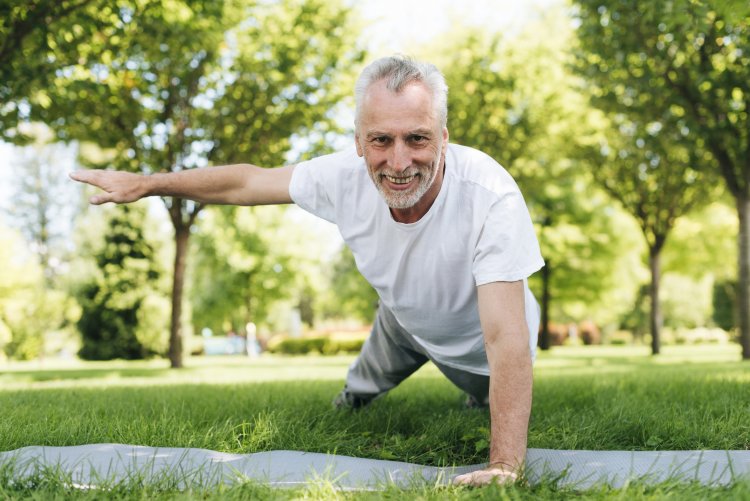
[418, 139]
[380, 140]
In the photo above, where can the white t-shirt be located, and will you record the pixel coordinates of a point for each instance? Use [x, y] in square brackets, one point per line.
[477, 231]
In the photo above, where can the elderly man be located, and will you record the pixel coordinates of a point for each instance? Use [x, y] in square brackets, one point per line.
[441, 232]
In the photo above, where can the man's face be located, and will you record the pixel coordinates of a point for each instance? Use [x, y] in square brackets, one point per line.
[404, 145]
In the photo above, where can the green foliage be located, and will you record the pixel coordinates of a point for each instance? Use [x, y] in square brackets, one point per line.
[686, 302]
[515, 100]
[678, 70]
[702, 243]
[324, 345]
[193, 83]
[30, 35]
[684, 62]
[178, 84]
[40, 205]
[27, 312]
[152, 322]
[111, 301]
[350, 295]
[724, 301]
[647, 164]
[246, 260]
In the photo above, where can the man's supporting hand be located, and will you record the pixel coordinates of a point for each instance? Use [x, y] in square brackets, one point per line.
[499, 474]
[119, 187]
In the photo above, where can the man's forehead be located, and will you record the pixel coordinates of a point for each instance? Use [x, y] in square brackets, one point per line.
[412, 105]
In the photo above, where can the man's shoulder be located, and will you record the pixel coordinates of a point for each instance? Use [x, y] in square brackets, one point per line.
[474, 167]
[469, 153]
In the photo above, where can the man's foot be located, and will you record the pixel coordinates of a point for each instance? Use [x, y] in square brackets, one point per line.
[346, 400]
[473, 402]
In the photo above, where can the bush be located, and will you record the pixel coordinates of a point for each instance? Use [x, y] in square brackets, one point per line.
[111, 300]
[322, 345]
[152, 331]
[28, 318]
[5, 335]
[558, 333]
[724, 300]
[620, 338]
[589, 333]
[701, 335]
[25, 345]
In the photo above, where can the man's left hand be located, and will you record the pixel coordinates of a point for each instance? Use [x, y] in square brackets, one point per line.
[489, 475]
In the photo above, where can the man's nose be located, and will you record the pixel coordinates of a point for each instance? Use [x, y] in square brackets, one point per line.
[400, 157]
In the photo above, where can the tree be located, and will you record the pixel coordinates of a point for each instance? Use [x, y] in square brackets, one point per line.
[111, 301]
[41, 205]
[241, 267]
[31, 34]
[351, 295]
[20, 284]
[646, 164]
[688, 60]
[514, 100]
[702, 249]
[248, 259]
[192, 84]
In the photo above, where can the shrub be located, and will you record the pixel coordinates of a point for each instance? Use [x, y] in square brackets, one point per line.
[620, 338]
[701, 335]
[557, 334]
[111, 300]
[322, 345]
[589, 333]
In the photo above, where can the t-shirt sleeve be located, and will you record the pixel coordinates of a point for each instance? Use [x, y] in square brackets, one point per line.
[315, 183]
[507, 249]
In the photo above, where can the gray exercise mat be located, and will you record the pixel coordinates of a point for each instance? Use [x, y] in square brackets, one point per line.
[91, 465]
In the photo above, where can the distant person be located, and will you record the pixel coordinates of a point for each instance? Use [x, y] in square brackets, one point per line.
[441, 231]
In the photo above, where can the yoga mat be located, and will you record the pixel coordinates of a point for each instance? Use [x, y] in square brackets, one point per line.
[104, 464]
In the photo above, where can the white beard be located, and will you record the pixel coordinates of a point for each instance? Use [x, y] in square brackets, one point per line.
[407, 198]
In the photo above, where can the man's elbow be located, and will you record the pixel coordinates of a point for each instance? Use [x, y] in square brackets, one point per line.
[508, 342]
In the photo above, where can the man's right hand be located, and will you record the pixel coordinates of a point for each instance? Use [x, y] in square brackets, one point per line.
[119, 187]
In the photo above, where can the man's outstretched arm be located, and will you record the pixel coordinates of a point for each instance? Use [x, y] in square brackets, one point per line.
[240, 184]
[506, 338]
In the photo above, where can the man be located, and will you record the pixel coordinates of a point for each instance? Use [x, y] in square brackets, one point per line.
[441, 232]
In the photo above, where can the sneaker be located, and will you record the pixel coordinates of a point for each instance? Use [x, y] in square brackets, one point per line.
[346, 400]
[473, 402]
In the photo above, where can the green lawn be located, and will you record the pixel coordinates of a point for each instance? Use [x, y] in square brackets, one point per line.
[691, 397]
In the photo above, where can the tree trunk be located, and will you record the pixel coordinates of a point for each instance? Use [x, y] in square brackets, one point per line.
[743, 268]
[182, 236]
[544, 335]
[655, 313]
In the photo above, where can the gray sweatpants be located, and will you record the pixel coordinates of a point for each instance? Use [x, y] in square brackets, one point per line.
[391, 354]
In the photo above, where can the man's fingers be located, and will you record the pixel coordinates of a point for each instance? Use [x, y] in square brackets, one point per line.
[463, 479]
[117, 187]
[485, 477]
[98, 199]
[84, 176]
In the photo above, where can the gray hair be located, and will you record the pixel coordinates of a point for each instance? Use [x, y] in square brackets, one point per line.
[398, 71]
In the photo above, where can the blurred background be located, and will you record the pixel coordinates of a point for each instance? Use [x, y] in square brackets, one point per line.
[625, 124]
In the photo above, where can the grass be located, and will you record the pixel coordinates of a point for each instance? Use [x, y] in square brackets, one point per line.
[605, 398]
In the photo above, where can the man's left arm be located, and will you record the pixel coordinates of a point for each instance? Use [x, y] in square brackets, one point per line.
[506, 339]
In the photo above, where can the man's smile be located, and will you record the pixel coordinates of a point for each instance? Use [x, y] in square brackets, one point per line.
[400, 180]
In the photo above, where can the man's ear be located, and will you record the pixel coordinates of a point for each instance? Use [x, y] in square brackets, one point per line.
[360, 152]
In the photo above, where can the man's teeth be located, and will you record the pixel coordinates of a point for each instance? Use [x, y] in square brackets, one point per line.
[400, 180]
